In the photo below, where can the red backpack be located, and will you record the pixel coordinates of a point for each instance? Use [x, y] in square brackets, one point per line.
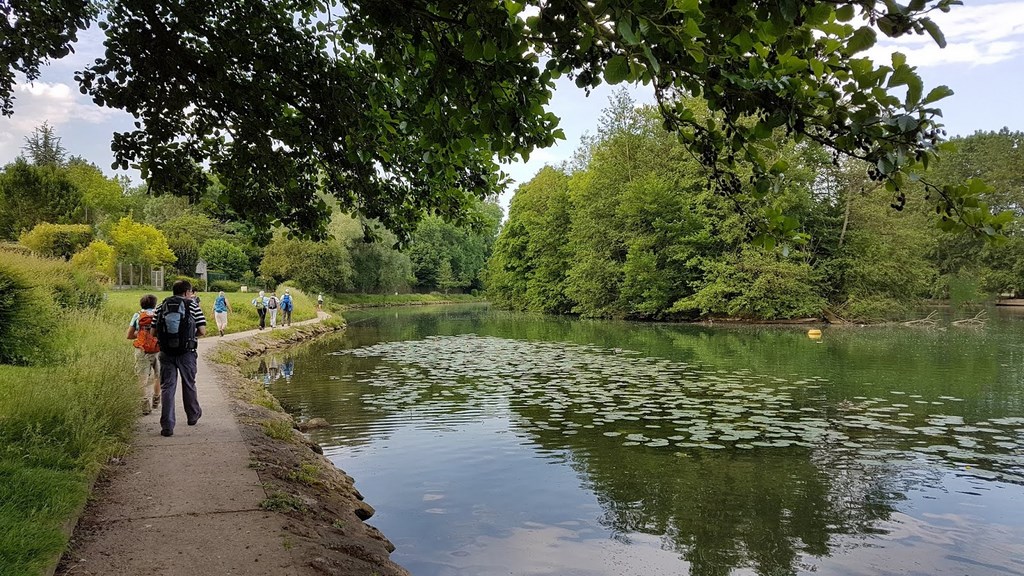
[146, 340]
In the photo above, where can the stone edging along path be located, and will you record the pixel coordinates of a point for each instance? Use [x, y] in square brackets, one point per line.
[239, 493]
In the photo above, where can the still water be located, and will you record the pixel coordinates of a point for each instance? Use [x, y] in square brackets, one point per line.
[498, 443]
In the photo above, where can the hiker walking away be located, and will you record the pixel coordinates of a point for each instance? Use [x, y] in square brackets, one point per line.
[260, 302]
[286, 308]
[272, 307]
[221, 307]
[147, 364]
[319, 301]
[179, 322]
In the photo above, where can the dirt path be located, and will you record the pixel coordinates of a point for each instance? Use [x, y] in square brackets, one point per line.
[188, 504]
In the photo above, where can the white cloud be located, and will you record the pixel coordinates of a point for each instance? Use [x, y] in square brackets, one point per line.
[977, 35]
[38, 102]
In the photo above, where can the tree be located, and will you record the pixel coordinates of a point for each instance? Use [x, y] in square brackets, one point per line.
[224, 256]
[102, 197]
[400, 107]
[446, 281]
[464, 246]
[98, 256]
[43, 147]
[32, 194]
[186, 254]
[531, 256]
[314, 266]
[139, 245]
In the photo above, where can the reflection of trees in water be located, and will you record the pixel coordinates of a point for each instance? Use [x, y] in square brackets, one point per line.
[728, 509]
[763, 508]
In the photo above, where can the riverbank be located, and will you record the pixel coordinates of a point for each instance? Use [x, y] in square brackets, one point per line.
[240, 492]
[353, 301]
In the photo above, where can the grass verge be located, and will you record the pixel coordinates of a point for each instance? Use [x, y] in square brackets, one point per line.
[59, 423]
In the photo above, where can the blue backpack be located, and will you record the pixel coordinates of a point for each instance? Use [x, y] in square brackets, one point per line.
[176, 329]
[286, 303]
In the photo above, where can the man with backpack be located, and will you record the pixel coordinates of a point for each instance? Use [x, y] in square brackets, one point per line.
[179, 322]
[147, 365]
[286, 308]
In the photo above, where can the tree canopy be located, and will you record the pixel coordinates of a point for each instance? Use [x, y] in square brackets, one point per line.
[403, 107]
[632, 228]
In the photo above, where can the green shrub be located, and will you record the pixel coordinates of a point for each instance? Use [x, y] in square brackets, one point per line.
[224, 285]
[57, 240]
[26, 316]
[170, 280]
[39, 290]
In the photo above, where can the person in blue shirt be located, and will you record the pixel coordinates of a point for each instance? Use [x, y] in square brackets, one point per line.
[221, 307]
[286, 308]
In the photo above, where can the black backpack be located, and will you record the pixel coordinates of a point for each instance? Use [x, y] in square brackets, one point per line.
[176, 328]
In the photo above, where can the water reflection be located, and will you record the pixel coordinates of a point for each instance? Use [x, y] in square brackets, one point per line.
[667, 449]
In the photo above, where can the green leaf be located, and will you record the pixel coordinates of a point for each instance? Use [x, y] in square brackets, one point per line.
[616, 70]
[934, 32]
[472, 50]
[626, 31]
[845, 13]
[914, 88]
[900, 76]
[907, 123]
[688, 5]
[862, 39]
[937, 93]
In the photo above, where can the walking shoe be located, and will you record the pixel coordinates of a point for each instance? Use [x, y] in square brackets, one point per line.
[165, 432]
[193, 422]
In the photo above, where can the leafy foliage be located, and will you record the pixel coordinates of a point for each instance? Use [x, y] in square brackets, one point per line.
[139, 244]
[400, 108]
[313, 266]
[31, 194]
[57, 240]
[224, 256]
[635, 230]
[98, 256]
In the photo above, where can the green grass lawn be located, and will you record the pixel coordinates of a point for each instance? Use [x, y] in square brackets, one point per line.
[241, 318]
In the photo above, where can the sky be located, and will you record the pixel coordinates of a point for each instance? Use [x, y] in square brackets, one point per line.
[983, 63]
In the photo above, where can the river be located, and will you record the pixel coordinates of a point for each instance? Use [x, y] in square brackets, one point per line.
[500, 443]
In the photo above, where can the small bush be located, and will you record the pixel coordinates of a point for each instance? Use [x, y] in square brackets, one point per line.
[283, 502]
[224, 285]
[57, 240]
[279, 430]
[39, 290]
[170, 280]
[26, 318]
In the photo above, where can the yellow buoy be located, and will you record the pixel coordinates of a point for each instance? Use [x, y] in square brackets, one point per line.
[814, 334]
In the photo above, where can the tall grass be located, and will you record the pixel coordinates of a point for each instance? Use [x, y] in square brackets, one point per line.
[62, 416]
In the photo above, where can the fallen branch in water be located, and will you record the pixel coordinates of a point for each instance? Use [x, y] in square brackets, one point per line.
[978, 320]
[928, 320]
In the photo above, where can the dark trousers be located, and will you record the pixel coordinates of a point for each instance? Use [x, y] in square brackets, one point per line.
[170, 368]
[287, 319]
[263, 317]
